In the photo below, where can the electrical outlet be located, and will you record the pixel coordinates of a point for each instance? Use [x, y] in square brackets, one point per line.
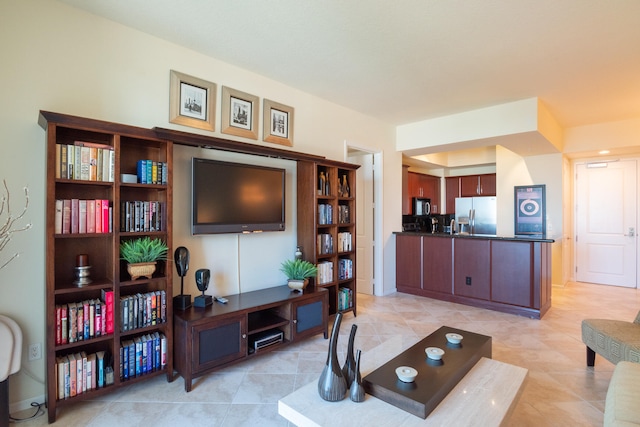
[467, 281]
[35, 352]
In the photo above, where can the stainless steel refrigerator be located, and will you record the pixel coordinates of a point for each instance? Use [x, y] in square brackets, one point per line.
[480, 213]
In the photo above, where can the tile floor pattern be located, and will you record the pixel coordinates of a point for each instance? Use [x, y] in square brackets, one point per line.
[560, 389]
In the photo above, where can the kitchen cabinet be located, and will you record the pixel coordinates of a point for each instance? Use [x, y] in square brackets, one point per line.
[409, 261]
[468, 186]
[471, 272]
[478, 185]
[512, 275]
[437, 252]
[517, 268]
[422, 185]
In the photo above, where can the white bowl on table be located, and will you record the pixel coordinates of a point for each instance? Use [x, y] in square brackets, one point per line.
[406, 374]
[454, 338]
[434, 353]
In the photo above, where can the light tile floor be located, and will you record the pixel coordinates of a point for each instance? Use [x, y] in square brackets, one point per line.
[560, 389]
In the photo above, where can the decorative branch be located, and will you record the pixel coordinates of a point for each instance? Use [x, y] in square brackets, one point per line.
[7, 229]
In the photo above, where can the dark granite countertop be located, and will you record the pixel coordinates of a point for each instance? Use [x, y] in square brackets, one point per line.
[476, 236]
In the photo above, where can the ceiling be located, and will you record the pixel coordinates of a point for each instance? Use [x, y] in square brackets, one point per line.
[412, 60]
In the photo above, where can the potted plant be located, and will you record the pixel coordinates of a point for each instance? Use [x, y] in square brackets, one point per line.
[142, 254]
[298, 272]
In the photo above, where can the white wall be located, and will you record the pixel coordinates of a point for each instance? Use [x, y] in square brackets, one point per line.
[60, 59]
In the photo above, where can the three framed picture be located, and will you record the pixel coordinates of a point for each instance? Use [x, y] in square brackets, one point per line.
[193, 103]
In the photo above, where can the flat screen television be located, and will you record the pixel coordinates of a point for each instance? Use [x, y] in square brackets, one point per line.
[236, 198]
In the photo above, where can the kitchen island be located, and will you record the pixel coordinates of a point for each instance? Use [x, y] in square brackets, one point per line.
[508, 274]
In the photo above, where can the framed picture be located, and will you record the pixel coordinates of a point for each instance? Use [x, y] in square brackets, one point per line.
[530, 216]
[192, 101]
[277, 123]
[239, 113]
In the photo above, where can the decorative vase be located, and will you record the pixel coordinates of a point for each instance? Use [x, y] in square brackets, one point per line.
[141, 269]
[349, 367]
[357, 389]
[298, 285]
[332, 385]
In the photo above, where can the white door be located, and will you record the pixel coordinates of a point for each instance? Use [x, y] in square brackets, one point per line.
[606, 223]
[364, 221]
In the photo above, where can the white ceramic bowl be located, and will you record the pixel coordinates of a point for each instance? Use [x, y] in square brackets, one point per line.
[454, 338]
[406, 374]
[434, 353]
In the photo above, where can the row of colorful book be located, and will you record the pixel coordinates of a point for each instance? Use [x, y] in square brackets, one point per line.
[85, 161]
[345, 298]
[325, 272]
[142, 355]
[78, 373]
[81, 321]
[142, 215]
[142, 310]
[345, 269]
[151, 172]
[74, 216]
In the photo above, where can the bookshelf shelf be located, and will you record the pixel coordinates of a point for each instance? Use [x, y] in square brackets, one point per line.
[118, 149]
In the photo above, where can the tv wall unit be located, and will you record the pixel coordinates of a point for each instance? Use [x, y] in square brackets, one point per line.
[268, 318]
[207, 339]
[65, 251]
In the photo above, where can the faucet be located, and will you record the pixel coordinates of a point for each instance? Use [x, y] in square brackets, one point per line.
[452, 225]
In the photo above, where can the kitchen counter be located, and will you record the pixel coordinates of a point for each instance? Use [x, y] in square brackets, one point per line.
[475, 236]
[504, 273]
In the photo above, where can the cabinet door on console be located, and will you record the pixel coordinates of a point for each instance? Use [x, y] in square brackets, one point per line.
[472, 268]
[310, 316]
[408, 261]
[511, 272]
[215, 343]
[436, 261]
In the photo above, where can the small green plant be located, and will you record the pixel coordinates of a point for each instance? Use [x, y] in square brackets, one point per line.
[144, 249]
[297, 269]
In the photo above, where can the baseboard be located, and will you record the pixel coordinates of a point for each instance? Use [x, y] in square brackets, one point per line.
[25, 404]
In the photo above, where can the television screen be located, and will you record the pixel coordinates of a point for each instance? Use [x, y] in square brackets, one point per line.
[236, 198]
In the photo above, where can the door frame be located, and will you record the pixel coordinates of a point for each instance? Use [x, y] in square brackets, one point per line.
[378, 288]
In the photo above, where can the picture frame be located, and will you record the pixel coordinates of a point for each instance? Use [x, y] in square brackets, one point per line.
[530, 210]
[277, 123]
[192, 101]
[239, 113]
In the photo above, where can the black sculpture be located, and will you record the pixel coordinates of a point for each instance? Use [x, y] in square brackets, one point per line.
[202, 280]
[181, 258]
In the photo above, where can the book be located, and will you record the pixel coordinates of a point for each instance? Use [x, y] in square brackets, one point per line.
[93, 164]
[91, 371]
[66, 216]
[73, 375]
[100, 368]
[107, 297]
[73, 322]
[58, 324]
[85, 163]
[65, 324]
[75, 216]
[98, 215]
[91, 216]
[71, 172]
[141, 171]
[106, 224]
[82, 228]
[63, 162]
[62, 371]
[58, 217]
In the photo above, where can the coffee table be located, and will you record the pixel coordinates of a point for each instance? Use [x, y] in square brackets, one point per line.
[485, 396]
[435, 379]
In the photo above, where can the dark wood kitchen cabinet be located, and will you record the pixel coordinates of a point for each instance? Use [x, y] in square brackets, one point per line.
[478, 185]
[520, 274]
[422, 185]
[436, 253]
[471, 272]
[408, 261]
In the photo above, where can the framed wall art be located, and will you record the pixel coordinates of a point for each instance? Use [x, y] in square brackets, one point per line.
[277, 123]
[239, 113]
[530, 214]
[192, 101]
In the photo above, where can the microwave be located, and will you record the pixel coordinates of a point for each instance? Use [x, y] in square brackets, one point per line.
[421, 206]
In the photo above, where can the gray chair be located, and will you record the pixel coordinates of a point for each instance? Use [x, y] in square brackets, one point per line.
[615, 340]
